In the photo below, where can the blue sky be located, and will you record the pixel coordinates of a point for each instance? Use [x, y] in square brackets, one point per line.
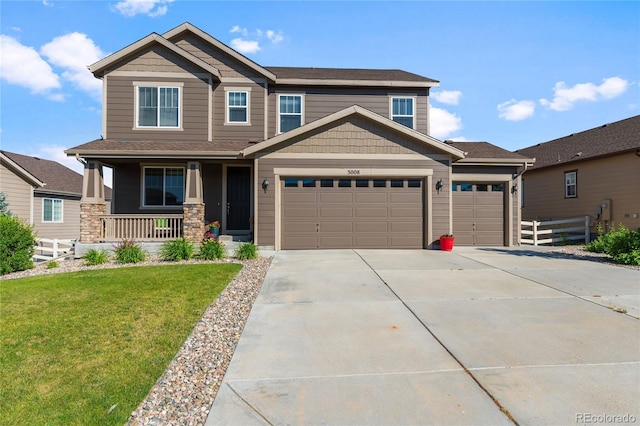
[511, 73]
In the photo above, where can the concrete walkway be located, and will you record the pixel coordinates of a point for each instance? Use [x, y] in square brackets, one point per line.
[474, 336]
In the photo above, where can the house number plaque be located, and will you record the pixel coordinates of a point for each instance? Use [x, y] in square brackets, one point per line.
[353, 171]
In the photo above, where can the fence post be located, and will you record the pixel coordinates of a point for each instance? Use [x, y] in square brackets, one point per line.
[55, 248]
[534, 229]
[587, 230]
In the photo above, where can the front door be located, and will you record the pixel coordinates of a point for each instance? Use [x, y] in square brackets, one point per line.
[238, 198]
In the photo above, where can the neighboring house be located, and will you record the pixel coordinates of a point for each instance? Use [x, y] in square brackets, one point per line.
[295, 157]
[593, 173]
[43, 193]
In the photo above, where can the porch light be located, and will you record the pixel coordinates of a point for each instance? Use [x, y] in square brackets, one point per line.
[265, 184]
[439, 185]
[514, 188]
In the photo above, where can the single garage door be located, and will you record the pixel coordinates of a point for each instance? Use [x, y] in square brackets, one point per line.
[478, 214]
[351, 213]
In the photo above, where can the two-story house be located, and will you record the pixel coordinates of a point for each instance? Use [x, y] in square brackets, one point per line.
[295, 157]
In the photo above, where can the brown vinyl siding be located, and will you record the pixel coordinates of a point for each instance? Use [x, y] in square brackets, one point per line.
[319, 103]
[70, 226]
[157, 58]
[614, 178]
[17, 192]
[121, 113]
[244, 132]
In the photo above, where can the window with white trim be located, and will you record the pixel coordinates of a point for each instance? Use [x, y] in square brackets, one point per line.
[163, 186]
[52, 210]
[290, 109]
[237, 107]
[402, 111]
[570, 184]
[158, 107]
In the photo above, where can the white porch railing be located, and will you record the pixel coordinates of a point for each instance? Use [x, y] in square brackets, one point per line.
[547, 232]
[158, 227]
[49, 249]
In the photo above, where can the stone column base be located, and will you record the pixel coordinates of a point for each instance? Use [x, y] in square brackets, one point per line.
[193, 222]
[90, 224]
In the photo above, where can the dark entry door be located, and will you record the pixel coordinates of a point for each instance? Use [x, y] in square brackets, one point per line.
[238, 198]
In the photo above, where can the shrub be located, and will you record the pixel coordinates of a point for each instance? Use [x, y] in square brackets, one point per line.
[127, 251]
[177, 249]
[246, 251]
[621, 244]
[51, 265]
[96, 257]
[4, 205]
[17, 241]
[211, 249]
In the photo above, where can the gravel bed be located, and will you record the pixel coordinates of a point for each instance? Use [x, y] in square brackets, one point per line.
[183, 395]
[578, 252]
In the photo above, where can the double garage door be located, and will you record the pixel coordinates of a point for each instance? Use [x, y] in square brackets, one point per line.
[352, 213]
[478, 214]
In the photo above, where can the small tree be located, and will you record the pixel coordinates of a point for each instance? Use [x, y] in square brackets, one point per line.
[4, 205]
[17, 241]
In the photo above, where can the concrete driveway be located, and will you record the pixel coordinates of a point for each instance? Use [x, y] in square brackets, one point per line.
[474, 336]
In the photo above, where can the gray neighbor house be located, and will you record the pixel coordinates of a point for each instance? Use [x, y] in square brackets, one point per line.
[296, 158]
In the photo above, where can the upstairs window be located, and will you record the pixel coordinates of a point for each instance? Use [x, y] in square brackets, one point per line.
[289, 112]
[402, 111]
[570, 184]
[238, 107]
[158, 107]
[51, 210]
[163, 186]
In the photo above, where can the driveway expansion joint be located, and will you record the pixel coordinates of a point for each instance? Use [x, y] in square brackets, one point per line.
[248, 404]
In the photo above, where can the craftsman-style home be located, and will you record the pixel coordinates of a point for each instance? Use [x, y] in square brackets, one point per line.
[296, 158]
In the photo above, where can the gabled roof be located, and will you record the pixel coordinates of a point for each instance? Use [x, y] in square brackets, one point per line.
[484, 152]
[355, 110]
[350, 77]
[218, 44]
[608, 139]
[153, 38]
[48, 175]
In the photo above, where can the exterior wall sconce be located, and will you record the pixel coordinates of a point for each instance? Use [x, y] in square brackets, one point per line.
[514, 188]
[439, 185]
[265, 184]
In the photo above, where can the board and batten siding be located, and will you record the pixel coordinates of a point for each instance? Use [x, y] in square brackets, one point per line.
[615, 178]
[121, 110]
[18, 193]
[319, 103]
[70, 226]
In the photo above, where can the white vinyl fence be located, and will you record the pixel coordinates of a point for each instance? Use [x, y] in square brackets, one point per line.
[552, 231]
[49, 249]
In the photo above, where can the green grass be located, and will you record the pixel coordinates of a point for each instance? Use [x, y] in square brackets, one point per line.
[74, 345]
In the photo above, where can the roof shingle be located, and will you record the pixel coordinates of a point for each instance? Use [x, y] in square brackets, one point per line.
[484, 150]
[347, 74]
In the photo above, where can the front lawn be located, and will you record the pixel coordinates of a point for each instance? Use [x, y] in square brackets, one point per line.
[86, 347]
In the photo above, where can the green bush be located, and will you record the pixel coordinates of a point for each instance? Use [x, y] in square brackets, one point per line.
[127, 251]
[246, 251]
[177, 249]
[621, 244]
[51, 265]
[211, 249]
[17, 241]
[96, 257]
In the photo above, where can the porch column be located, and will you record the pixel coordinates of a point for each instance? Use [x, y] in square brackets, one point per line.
[92, 204]
[193, 206]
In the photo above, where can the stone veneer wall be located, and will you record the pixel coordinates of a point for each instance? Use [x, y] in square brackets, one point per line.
[90, 221]
[193, 222]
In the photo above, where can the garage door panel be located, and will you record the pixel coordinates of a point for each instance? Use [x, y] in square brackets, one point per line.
[371, 196]
[335, 197]
[371, 241]
[300, 242]
[405, 197]
[337, 226]
[362, 227]
[478, 217]
[412, 226]
[490, 238]
[342, 212]
[404, 240]
[300, 197]
[371, 212]
[489, 213]
[489, 199]
[299, 227]
[405, 212]
[335, 241]
[299, 212]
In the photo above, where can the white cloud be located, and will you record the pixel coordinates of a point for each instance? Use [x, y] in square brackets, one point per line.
[513, 110]
[240, 30]
[442, 122]
[275, 37]
[21, 65]
[245, 46]
[450, 97]
[565, 97]
[460, 139]
[47, 3]
[73, 52]
[150, 8]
